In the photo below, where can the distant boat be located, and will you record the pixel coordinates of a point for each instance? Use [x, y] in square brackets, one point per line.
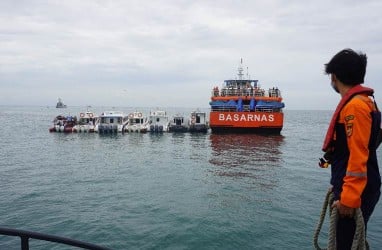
[60, 104]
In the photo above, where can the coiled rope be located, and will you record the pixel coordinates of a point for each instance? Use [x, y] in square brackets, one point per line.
[359, 240]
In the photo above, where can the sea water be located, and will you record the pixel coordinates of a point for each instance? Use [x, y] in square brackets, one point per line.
[165, 191]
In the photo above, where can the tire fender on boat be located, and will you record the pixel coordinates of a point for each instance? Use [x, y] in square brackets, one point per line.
[193, 119]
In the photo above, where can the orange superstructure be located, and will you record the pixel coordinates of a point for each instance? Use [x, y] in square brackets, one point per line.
[242, 106]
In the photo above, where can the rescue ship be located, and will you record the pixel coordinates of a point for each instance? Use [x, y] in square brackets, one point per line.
[242, 106]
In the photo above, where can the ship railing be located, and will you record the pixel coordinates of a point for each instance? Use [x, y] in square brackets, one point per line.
[246, 108]
[273, 92]
[224, 109]
[241, 92]
[233, 92]
[260, 93]
[269, 110]
[26, 235]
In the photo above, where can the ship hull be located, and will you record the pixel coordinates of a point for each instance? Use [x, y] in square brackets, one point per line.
[246, 122]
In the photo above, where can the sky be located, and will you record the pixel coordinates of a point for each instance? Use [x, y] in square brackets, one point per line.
[171, 53]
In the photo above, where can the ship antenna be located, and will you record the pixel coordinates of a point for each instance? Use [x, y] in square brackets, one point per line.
[240, 69]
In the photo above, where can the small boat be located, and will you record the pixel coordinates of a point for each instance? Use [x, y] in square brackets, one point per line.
[87, 122]
[178, 123]
[60, 104]
[63, 124]
[159, 121]
[242, 106]
[111, 122]
[198, 122]
[137, 123]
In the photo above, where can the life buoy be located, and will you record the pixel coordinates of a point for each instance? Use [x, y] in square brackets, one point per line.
[82, 115]
[139, 114]
[131, 115]
[91, 115]
[193, 119]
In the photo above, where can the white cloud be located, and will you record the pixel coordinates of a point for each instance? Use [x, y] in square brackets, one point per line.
[66, 48]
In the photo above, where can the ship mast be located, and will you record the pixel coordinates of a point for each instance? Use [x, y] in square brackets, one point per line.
[240, 69]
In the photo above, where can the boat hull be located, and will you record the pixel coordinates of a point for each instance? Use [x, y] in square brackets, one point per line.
[158, 128]
[178, 128]
[198, 128]
[246, 122]
[137, 128]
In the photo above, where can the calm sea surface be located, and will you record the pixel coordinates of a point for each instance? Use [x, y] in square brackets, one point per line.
[170, 191]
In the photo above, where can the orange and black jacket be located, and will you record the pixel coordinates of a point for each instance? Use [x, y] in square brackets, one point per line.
[355, 173]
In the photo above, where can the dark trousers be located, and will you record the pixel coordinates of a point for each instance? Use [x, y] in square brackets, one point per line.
[346, 226]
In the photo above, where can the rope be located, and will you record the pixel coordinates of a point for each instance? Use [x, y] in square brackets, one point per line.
[359, 240]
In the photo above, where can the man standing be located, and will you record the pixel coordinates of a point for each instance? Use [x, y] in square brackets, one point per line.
[351, 142]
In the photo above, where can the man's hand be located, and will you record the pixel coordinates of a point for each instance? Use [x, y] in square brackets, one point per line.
[343, 210]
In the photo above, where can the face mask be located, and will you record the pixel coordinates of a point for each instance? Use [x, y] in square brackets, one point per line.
[334, 87]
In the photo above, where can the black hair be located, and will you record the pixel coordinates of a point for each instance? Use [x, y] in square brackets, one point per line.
[348, 66]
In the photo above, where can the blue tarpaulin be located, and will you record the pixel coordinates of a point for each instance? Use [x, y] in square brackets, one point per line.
[229, 104]
[252, 104]
[264, 104]
[239, 105]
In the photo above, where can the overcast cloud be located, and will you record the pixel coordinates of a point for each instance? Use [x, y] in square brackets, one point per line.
[171, 53]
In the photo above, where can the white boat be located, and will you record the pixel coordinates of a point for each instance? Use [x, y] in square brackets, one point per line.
[137, 123]
[86, 123]
[159, 121]
[111, 122]
[178, 123]
[198, 122]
